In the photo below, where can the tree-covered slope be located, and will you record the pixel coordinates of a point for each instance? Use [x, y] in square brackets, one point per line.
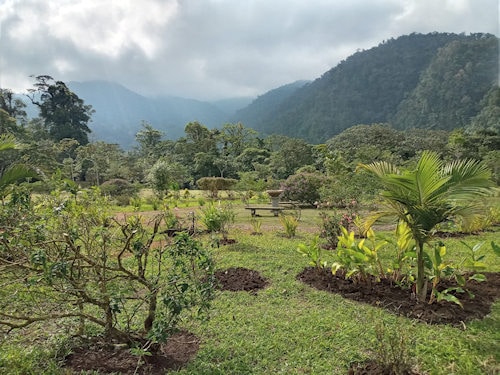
[450, 91]
[264, 106]
[369, 86]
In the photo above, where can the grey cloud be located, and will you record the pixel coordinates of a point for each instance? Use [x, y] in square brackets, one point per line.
[222, 48]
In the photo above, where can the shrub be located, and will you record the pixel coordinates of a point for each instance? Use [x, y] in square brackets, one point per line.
[217, 218]
[78, 262]
[215, 184]
[303, 187]
[122, 191]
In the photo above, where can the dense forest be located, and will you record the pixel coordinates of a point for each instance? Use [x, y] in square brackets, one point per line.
[433, 81]
[56, 144]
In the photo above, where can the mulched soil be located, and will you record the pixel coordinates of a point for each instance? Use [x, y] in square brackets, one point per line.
[239, 279]
[107, 359]
[179, 349]
[386, 295]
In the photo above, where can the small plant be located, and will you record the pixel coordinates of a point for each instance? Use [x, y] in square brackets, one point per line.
[290, 224]
[256, 225]
[393, 349]
[217, 218]
[401, 270]
[358, 259]
[437, 268]
[313, 252]
[155, 203]
[330, 228]
[136, 203]
[172, 221]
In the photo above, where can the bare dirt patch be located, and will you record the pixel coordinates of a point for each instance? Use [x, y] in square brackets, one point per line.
[240, 279]
[107, 359]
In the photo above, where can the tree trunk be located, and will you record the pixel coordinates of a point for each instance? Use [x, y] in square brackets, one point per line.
[148, 322]
[421, 282]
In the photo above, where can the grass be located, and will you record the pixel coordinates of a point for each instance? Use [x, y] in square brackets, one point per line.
[290, 328]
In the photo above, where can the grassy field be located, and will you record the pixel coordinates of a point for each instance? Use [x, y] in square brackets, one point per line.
[289, 327]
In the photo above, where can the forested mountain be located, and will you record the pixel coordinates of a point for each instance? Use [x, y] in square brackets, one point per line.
[265, 105]
[450, 90]
[119, 112]
[449, 73]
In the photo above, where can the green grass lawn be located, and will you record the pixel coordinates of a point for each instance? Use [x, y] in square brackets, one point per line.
[291, 328]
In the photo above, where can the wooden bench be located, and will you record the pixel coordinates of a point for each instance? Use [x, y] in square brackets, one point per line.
[274, 210]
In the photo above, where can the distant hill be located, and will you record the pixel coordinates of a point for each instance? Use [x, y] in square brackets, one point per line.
[390, 82]
[119, 112]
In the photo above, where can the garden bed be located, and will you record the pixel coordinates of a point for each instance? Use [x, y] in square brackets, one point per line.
[401, 301]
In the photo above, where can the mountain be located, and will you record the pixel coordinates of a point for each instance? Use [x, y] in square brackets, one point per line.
[387, 83]
[264, 106]
[119, 112]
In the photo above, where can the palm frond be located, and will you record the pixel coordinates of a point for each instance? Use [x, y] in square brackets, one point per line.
[379, 168]
[468, 179]
[8, 142]
[15, 174]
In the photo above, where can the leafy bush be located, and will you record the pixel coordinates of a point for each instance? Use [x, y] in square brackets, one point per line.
[122, 191]
[215, 184]
[303, 187]
[78, 262]
[339, 191]
[217, 218]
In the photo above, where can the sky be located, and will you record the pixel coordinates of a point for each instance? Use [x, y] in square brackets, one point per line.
[211, 49]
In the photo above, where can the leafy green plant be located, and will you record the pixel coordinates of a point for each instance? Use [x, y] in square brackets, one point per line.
[438, 268]
[400, 270]
[356, 258]
[290, 224]
[313, 252]
[330, 228]
[428, 195]
[217, 219]
[256, 225]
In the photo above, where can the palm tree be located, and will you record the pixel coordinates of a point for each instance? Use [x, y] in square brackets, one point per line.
[14, 173]
[432, 193]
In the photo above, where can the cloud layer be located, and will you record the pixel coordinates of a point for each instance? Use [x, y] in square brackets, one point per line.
[210, 49]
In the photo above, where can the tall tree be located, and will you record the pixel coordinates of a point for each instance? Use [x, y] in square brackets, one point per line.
[12, 105]
[65, 115]
[430, 194]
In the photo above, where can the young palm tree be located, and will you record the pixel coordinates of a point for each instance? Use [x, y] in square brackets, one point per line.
[15, 173]
[430, 194]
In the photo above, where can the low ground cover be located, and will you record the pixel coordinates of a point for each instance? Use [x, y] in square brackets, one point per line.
[288, 326]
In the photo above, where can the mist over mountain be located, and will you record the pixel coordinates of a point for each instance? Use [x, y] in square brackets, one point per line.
[119, 112]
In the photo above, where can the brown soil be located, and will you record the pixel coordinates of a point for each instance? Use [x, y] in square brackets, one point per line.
[402, 301]
[239, 278]
[107, 359]
[386, 295]
[179, 349]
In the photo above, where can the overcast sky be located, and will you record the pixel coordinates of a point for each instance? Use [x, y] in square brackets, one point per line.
[211, 49]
